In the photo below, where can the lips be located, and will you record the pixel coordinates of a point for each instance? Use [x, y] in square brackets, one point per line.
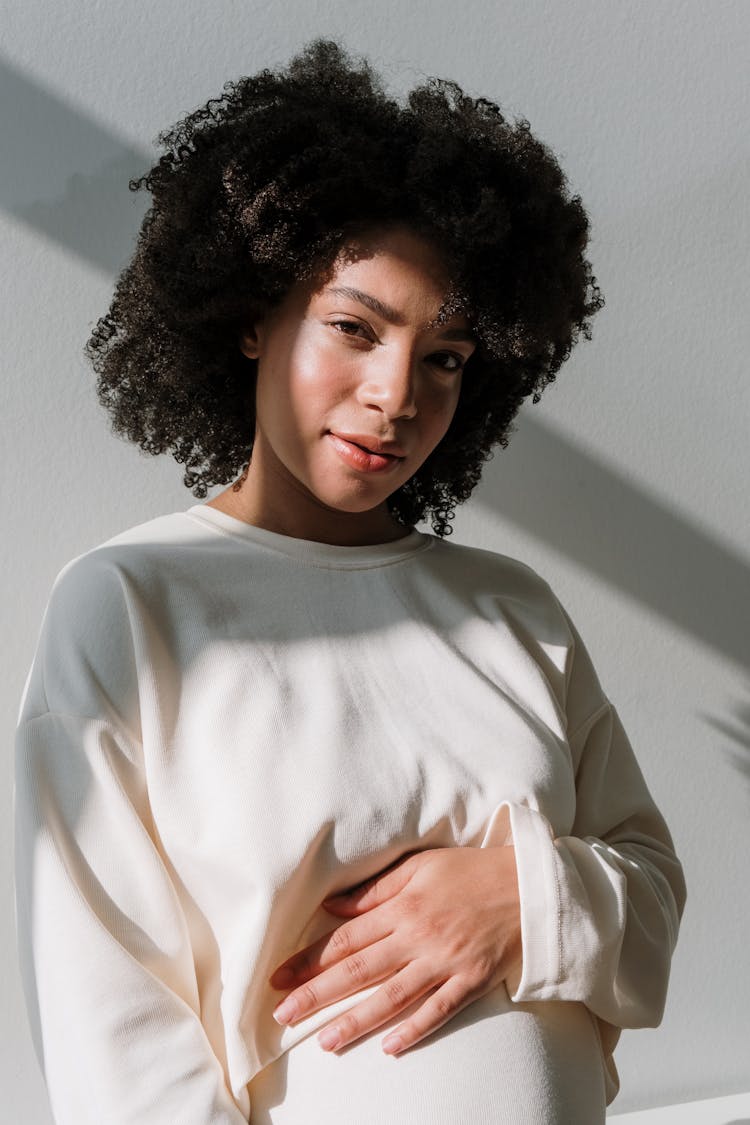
[372, 444]
[361, 459]
[369, 449]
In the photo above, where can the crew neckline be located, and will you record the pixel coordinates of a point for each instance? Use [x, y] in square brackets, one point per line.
[332, 555]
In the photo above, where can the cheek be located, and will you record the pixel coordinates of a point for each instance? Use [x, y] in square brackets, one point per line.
[320, 378]
[439, 410]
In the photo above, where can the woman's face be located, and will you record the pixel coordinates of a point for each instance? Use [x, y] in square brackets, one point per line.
[352, 357]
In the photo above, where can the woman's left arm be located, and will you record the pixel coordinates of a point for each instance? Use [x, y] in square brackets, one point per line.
[600, 907]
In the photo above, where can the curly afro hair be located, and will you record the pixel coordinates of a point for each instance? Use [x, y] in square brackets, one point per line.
[265, 185]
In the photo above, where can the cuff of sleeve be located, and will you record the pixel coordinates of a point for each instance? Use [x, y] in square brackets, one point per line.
[536, 864]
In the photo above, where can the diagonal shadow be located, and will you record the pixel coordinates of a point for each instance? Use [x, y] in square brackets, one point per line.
[556, 491]
[738, 732]
[617, 531]
[66, 176]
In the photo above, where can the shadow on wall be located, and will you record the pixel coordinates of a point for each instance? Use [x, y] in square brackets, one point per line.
[66, 176]
[737, 732]
[618, 532]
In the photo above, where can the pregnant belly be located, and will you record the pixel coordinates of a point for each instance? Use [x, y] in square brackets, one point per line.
[494, 1063]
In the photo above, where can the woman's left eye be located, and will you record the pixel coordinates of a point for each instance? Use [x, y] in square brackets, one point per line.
[457, 361]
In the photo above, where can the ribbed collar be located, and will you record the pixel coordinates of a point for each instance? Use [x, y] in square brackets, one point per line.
[308, 550]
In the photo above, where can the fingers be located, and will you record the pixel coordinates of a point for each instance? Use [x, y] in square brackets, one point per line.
[437, 1009]
[410, 947]
[330, 950]
[394, 995]
[350, 975]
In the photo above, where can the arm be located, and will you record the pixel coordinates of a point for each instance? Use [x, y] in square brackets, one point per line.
[601, 906]
[104, 950]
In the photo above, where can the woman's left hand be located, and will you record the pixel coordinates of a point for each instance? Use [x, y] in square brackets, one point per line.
[445, 919]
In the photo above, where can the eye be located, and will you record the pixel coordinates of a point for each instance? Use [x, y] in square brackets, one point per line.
[457, 362]
[348, 327]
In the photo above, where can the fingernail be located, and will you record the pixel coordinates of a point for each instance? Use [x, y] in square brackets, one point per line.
[286, 1011]
[392, 1044]
[329, 1038]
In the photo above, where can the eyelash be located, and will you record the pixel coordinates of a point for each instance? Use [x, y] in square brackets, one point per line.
[337, 324]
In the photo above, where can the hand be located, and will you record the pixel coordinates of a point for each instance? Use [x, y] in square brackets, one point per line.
[445, 919]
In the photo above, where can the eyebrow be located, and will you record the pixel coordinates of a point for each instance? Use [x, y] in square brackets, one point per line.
[392, 315]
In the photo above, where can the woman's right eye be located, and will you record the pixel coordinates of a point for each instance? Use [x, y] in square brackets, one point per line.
[344, 325]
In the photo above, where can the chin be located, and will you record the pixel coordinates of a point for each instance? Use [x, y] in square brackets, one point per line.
[349, 505]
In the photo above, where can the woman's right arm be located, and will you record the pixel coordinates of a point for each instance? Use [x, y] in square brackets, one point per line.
[104, 949]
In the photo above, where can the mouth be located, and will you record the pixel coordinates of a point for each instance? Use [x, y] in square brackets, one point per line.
[359, 457]
[379, 448]
[367, 450]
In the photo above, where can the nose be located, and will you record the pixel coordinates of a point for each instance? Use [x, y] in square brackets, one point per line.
[390, 383]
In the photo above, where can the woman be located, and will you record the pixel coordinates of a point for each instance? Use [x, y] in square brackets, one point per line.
[238, 713]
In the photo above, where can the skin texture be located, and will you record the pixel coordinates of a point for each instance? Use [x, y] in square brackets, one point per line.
[329, 362]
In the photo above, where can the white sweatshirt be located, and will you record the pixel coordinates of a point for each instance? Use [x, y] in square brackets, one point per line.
[223, 725]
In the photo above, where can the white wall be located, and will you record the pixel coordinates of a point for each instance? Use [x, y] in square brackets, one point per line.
[626, 487]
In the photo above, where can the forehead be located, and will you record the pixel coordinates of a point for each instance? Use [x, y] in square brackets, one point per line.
[398, 275]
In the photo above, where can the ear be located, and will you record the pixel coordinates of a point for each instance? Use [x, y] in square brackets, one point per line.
[249, 341]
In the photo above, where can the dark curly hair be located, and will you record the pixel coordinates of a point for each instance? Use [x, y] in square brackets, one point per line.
[263, 186]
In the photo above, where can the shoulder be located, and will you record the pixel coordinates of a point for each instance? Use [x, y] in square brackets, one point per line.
[100, 578]
[90, 593]
[501, 587]
[523, 594]
[86, 659]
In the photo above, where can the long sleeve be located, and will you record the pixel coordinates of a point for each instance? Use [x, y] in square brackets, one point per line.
[104, 948]
[600, 905]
